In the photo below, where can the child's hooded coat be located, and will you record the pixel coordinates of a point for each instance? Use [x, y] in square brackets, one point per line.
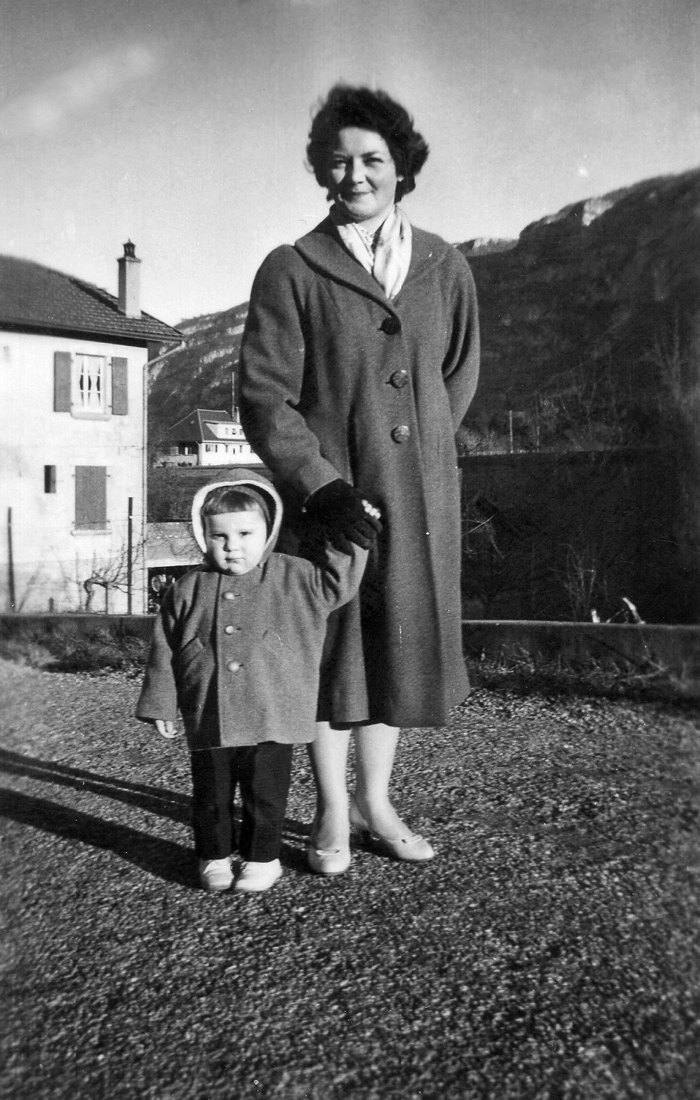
[239, 656]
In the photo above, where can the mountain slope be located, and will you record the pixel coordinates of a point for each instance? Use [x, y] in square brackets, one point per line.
[583, 320]
[198, 375]
[591, 305]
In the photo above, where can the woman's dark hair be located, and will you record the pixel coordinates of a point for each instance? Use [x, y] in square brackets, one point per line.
[345, 106]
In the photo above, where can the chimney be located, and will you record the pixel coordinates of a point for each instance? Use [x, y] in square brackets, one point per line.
[129, 282]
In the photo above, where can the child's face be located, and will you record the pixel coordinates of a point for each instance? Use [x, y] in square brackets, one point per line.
[235, 541]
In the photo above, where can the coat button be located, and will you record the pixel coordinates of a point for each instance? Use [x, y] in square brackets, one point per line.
[231, 595]
[399, 379]
[400, 433]
[391, 325]
[233, 666]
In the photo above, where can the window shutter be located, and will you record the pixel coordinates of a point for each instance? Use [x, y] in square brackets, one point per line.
[91, 497]
[120, 388]
[61, 381]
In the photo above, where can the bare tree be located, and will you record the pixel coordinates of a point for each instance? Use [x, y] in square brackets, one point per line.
[110, 573]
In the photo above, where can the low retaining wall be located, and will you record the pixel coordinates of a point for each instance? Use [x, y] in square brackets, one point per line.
[673, 651]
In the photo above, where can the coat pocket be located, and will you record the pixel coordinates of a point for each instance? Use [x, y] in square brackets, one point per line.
[189, 652]
[273, 641]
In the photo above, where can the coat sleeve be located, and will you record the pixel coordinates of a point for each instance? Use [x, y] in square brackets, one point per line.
[460, 369]
[158, 698]
[336, 581]
[273, 354]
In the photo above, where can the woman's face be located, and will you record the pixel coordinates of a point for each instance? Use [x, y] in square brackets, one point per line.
[362, 175]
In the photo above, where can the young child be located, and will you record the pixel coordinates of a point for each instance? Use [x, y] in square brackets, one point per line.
[237, 648]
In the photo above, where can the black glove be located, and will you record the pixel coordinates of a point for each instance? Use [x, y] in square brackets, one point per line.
[345, 513]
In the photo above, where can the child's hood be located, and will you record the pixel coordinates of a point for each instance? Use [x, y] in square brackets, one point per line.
[254, 481]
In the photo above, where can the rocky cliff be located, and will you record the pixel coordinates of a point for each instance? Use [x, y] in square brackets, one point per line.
[590, 323]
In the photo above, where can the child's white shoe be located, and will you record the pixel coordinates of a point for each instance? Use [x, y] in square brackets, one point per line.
[256, 877]
[216, 874]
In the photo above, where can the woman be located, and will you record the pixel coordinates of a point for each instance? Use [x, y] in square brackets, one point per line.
[359, 361]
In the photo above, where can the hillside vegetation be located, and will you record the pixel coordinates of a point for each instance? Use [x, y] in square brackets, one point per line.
[589, 326]
[590, 322]
[198, 375]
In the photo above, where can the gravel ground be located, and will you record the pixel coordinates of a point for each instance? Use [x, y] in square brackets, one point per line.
[550, 952]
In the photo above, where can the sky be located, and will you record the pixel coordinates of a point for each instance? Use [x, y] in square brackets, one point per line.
[181, 124]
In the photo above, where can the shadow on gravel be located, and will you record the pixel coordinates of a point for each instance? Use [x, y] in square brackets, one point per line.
[161, 858]
[169, 804]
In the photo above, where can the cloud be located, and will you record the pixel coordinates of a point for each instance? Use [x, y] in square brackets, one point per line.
[46, 107]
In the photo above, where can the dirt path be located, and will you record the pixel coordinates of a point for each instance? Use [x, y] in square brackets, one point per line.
[550, 952]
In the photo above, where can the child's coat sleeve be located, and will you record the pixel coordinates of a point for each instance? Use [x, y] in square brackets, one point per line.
[339, 579]
[158, 697]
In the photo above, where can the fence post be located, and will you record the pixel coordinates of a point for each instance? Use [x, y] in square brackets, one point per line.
[129, 544]
[10, 560]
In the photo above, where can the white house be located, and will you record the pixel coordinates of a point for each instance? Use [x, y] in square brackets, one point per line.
[209, 437]
[72, 438]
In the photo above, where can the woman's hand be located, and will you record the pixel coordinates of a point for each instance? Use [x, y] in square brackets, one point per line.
[346, 514]
[165, 728]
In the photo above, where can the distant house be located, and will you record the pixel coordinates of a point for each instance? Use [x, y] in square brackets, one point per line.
[72, 424]
[208, 437]
[171, 550]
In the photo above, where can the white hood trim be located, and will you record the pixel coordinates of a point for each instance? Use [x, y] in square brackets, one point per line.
[262, 486]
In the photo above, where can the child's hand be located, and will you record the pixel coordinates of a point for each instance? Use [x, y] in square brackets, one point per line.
[165, 729]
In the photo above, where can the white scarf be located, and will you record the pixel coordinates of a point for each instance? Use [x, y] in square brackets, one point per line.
[386, 253]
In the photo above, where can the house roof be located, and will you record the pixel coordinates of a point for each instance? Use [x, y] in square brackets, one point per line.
[194, 426]
[170, 544]
[37, 298]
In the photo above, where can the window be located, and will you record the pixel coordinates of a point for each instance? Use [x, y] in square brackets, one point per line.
[49, 479]
[89, 383]
[90, 386]
[90, 498]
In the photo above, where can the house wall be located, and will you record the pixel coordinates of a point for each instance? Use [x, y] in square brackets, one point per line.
[53, 559]
[230, 453]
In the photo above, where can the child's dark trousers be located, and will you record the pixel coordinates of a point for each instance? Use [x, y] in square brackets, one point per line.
[262, 773]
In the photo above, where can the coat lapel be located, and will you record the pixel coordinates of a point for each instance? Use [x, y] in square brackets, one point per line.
[324, 252]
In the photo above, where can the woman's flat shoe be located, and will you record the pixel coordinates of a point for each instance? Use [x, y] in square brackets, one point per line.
[329, 861]
[410, 849]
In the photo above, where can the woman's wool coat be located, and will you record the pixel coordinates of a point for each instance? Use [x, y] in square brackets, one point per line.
[338, 381]
[239, 656]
